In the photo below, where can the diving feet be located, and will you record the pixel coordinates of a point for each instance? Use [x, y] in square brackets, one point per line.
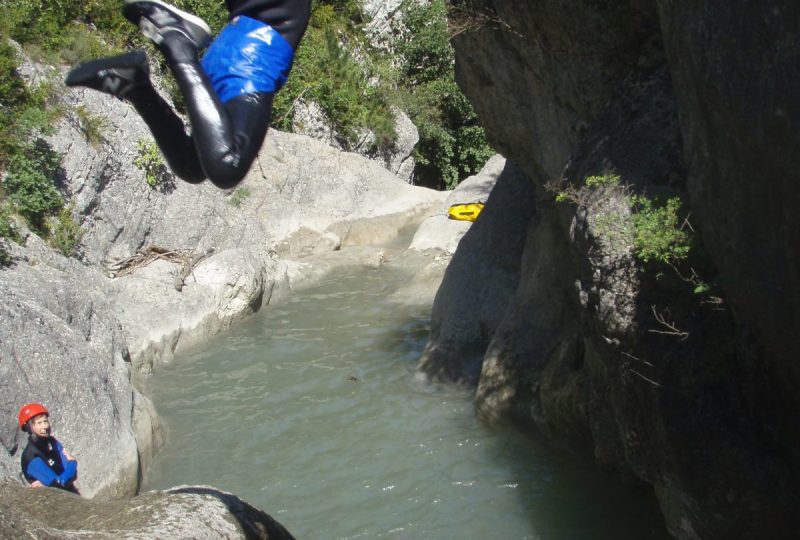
[116, 75]
[156, 18]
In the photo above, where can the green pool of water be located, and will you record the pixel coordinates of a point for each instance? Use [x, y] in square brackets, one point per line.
[313, 412]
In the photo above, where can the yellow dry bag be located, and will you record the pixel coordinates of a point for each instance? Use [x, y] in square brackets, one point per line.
[465, 212]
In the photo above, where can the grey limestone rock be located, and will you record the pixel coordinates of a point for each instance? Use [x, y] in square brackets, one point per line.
[181, 512]
[441, 233]
[310, 120]
[61, 345]
[159, 320]
[297, 184]
[481, 278]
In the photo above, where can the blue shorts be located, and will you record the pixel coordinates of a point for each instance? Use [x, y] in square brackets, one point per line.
[248, 56]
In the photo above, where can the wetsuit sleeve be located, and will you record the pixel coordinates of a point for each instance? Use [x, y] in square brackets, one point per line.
[69, 474]
[39, 470]
[70, 467]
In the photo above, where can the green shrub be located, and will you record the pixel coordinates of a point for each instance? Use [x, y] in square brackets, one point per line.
[51, 27]
[359, 95]
[65, 233]
[658, 234]
[29, 115]
[30, 163]
[654, 230]
[7, 232]
[91, 125]
[602, 180]
[150, 161]
[29, 183]
[326, 73]
[425, 49]
[5, 256]
[81, 43]
[6, 226]
[13, 91]
[452, 143]
[211, 11]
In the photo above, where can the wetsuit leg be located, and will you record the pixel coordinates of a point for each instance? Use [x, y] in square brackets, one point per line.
[227, 136]
[169, 133]
[127, 77]
[249, 117]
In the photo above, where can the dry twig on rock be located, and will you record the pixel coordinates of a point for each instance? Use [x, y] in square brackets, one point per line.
[186, 258]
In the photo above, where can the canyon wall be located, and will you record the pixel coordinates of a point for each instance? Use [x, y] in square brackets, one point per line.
[688, 388]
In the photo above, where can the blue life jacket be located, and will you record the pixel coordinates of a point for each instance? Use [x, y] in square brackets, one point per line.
[49, 452]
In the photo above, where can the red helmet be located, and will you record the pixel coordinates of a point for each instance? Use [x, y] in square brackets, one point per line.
[29, 411]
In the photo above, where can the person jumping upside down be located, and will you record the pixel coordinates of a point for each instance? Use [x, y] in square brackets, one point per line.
[228, 94]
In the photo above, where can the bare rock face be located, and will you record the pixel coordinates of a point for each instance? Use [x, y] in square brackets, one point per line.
[182, 512]
[385, 19]
[61, 345]
[592, 350]
[311, 120]
[160, 319]
[300, 197]
[480, 279]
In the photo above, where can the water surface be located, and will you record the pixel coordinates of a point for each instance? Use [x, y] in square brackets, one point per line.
[312, 411]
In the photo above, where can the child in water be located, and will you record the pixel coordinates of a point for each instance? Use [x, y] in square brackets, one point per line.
[228, 94]
[44, 461]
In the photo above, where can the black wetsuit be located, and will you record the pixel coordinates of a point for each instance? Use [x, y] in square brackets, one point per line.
[43, 461]
[289, 17]
[225, 136]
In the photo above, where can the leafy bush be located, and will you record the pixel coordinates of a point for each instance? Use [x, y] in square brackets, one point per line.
[70, 30]
[28, 113]
[658, 234]
[5, 256]
[150, 161]
[91, 125]
[13, 91]
[359, 94]
[7, 232]
[348, 91]
[211, 11]
[655, 231]
[452, 143]
[29, 183]
[602, 180]
[65, 233]
[30, 164]
[6, 227]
